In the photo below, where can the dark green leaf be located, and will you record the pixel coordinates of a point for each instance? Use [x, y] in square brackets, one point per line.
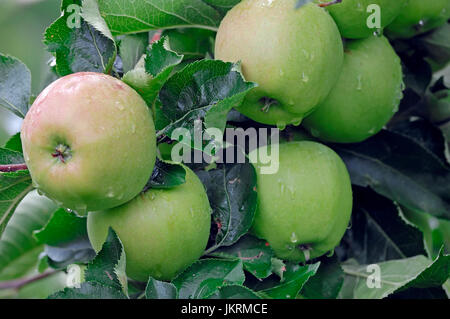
[401, 169]
[232, 195]
[295, 277]
[160, 290]
[78, 49]
[327, 282]
[254, 253]
[204, 89]
[203, 278]
[378, 231]
[15, 85]
[167, 175]
[89, 290]
[234, 292]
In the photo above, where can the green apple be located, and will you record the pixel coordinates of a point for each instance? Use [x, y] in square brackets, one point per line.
[304, 209]
[89, 142]
[419, 16]
[352, 16]
[366, 96]
[295, 56]
[163, 231]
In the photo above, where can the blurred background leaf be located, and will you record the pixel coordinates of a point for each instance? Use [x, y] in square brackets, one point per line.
[22, 24]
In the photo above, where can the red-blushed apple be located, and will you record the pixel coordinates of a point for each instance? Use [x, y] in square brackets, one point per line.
[163, 231]
[89, 142]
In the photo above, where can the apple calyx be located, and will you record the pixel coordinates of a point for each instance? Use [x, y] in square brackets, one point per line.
[267, 102]
[63, 153]
[305, 249]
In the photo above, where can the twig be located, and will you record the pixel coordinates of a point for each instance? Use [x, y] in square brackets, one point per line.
[326, 4]
[12, 168]
[19, 283]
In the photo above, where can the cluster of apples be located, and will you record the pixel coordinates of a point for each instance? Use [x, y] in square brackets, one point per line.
[89, 143]
[323, 66]
[89, 139]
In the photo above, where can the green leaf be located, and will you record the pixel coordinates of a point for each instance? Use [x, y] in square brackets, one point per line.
[255, 255]
[234, 292]
[203, 278]
[232, 195]
[19, 250]
[131, 49]
[151, 74]
[159, 59]
[144, 15]
[327, 282]
[191, 43]
[63, 227]
[167, 175]
[108, 268]
[378, 231]
[416, 271]
[160, 290]
[13, 188]
[402, 169]
[89, 290]
[79, 49]
[293, 281]
[205, 89]
[105, 276]
[8, 156]
[14, 143]
[15, 85]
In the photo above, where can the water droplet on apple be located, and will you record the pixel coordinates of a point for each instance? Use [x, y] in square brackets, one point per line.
[281, 125]
[294, 238]
[297, 122]
[359, 83]
[305, 78]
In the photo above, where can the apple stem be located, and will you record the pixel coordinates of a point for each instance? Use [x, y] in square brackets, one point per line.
[326, 4]
[13, 168]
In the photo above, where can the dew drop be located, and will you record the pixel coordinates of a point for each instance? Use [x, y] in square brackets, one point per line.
[359, 83]
[294, 238]
[297, 122]
[305, 78]
[281, 125]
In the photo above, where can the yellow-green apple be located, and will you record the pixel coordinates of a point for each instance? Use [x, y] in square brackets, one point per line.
[163, 231]
[366, 96]
[294, 55]
[419, 16]
[303, 209]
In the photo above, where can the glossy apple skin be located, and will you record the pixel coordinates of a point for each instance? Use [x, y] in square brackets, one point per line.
[163, 231]
[351, 15]
[366, 96]
[307, 204]
[408, 24]
[110, 134]
[294, 55]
